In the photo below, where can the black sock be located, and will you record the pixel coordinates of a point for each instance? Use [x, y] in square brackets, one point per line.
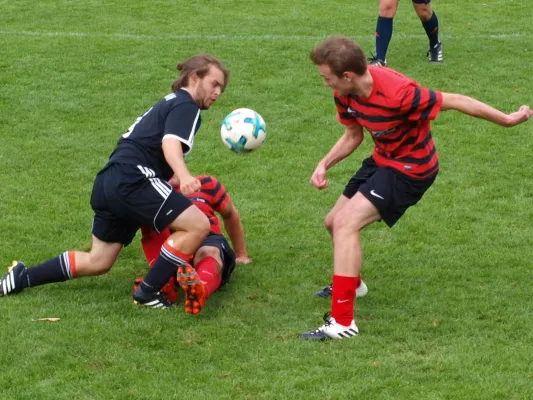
[431, 27]
[383, 37]
[56, 269]
[164, 267]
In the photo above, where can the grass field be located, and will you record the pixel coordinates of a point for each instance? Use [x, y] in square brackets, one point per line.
[449, 312]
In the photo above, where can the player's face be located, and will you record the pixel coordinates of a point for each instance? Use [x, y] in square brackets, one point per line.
[340, 85]
[209, 88]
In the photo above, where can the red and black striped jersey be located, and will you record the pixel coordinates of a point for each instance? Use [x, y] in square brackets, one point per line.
[397, 114]
[212, 197]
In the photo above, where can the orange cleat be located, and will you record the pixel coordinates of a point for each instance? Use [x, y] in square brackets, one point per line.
[194, 288]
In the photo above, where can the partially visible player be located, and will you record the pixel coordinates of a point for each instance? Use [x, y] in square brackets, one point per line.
[215, 259]
[396, 111]
[132, 191]
[430, 22]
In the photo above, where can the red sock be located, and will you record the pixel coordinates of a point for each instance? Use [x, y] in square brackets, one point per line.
[209, 271]
[342, 298]
[152, 243]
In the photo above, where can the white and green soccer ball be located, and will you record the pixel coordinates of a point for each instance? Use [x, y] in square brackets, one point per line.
[243, 130]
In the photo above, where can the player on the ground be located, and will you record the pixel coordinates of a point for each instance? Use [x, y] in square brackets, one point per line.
[132, 191]
[430, 22]
[404, 164]
[215, 259]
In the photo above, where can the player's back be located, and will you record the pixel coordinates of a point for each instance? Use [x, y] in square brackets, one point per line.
[211, 198]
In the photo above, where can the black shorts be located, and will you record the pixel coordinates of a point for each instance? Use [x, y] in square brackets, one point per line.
[226, 254]
[421, 1]
[390, 191]
[126, 197]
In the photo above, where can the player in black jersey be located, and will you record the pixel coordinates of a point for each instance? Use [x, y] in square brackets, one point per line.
[132, 190]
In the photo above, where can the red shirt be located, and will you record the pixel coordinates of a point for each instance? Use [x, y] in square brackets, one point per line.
[211, 198]
[397, 114]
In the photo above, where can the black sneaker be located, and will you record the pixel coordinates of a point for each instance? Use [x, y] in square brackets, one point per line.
[152, 300]
[434, 54]
[331, 330]
[11, 282]
[325, 292]
[377, 62]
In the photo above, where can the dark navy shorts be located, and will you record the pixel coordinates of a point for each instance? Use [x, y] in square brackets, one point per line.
[125, 197]
[421, 1]
[226, 254]
[390, 191]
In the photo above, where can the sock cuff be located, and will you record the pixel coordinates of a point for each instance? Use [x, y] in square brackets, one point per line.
[174, 255]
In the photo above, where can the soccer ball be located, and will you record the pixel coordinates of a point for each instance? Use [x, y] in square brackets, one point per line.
[243, 130]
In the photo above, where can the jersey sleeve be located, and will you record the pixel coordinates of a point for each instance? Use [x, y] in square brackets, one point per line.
[343, 115]
[219, 197]
[418, 103]
[181, 123]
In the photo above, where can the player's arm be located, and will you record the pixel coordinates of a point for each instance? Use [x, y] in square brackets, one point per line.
[478, 109]
[233, 224]
[173, 151]
[180, 127]
[346, 145]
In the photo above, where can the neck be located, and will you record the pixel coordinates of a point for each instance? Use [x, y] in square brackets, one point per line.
[363, 85]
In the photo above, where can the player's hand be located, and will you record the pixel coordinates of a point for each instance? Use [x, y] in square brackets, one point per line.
[243, 260]
[522, 115]
[174, 181]
[318, 179]
[189, 184]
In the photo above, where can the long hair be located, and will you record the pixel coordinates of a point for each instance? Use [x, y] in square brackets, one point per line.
[340, 54]
[199, 65]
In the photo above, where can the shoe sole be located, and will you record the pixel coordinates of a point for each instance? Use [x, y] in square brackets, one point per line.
[195, 293]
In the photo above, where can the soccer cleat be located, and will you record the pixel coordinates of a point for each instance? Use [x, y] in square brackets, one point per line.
[377, 62]
[169, 290]
[362, 291]
[435, 54]
[194, 288]
[152, 300]
[11, 282]
[331, 330]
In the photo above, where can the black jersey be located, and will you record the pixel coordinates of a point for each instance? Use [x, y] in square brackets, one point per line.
[177, 116]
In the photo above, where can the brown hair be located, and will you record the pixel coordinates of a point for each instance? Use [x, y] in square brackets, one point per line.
[199, 65]
[341, 54]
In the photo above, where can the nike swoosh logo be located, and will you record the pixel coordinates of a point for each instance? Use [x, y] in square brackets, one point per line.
[350, 110]
[373, 193]
[342, 301]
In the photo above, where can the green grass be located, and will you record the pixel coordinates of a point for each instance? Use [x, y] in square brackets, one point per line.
[449, 311]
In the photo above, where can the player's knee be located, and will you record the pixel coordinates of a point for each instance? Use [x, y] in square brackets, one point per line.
[207, 251]
[424, 11]
[99, 265]
[345, 224]
[387, 8]
[328, 223]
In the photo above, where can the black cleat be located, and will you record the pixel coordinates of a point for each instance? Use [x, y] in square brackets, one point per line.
[325, 292]
[152, 300]
[434, 54]
[11, 282]
[377, 62]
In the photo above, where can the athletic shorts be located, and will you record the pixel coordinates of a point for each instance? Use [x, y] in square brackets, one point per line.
[421, 1]
[226, 254]
[390, 191]
[126, 197]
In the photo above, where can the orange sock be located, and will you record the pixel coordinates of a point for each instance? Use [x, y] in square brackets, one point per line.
[209, 271]
[342, 298]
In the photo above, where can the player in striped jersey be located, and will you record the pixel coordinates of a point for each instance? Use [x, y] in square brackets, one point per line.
[132, 191]
[215, 259]
[396, 111]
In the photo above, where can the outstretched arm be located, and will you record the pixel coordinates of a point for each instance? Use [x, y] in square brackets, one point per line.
[478, 109]
[346, 145]
[232, 223]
